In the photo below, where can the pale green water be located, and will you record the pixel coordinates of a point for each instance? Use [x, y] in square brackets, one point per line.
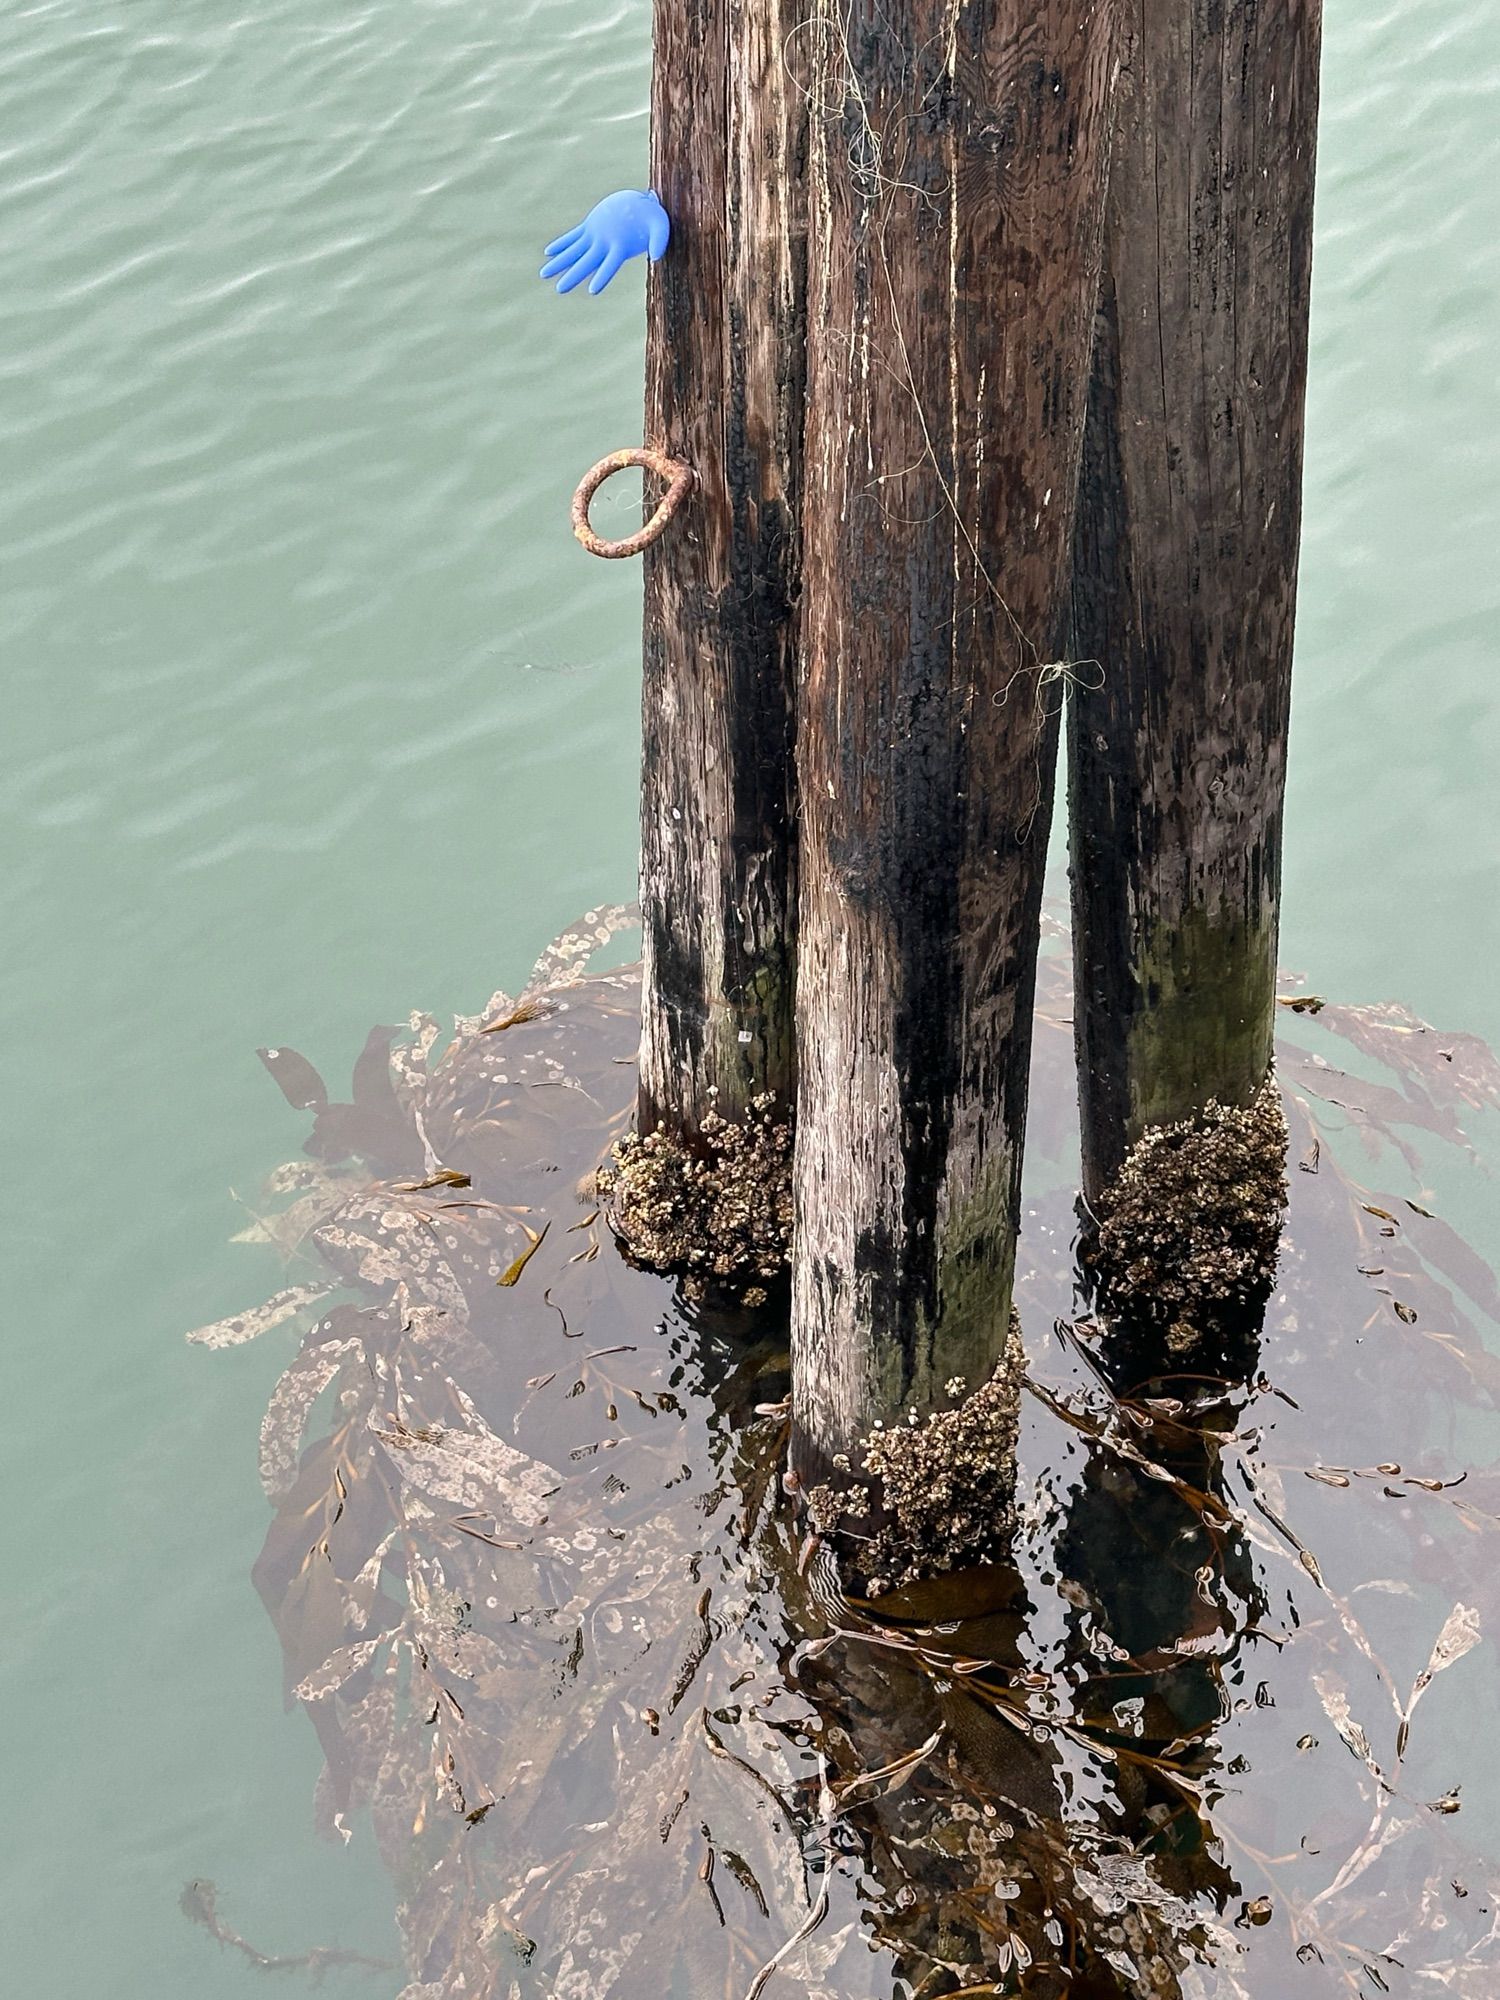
[316, 714]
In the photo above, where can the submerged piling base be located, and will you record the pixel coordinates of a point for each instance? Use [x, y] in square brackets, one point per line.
[718, 1217]
[1188, 1231]
[930, 1497]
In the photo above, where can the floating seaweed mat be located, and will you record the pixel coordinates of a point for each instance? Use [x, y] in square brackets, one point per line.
[1225, 1728]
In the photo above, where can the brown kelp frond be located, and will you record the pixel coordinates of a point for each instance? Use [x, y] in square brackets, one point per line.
[614, 1729]
[199, 1903]
[1435, 1082]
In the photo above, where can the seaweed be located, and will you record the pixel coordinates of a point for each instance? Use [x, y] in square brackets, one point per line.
[1208, 1722]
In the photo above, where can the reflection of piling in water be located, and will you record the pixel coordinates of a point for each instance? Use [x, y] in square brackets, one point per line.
[1162, 1589]
[953, 1779]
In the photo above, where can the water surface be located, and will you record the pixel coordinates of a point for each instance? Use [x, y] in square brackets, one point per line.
[315, 714]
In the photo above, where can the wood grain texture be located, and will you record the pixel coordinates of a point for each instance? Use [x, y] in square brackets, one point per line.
[1186, 571]
[957, 169]
[725, 371]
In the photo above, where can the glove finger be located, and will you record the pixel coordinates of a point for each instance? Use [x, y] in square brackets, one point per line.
[566, 259]
[566, 242]
[593, 256]
[607, 269]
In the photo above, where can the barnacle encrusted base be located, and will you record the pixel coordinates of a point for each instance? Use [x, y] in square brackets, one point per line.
[1190, 1228]
[941, 1491]
[721, 1217]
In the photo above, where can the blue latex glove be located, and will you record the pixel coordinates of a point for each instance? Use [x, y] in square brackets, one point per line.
[625, 225]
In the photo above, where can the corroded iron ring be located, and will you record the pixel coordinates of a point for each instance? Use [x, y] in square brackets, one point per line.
[680, 483]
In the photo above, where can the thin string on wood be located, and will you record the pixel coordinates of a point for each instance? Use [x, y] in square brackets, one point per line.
[680, 480]
[867, 153]
[1055, 673]
[1052, 673]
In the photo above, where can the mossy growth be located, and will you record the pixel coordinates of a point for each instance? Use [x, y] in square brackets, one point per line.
[1189, 1230]
[1206, 985]
[934, 1495]
[720, 1215]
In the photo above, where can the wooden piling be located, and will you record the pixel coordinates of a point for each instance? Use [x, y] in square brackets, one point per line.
[725, 369]
[957, 169]
[1185, 576]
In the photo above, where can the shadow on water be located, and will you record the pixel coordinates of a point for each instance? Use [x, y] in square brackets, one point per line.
[613, 1728]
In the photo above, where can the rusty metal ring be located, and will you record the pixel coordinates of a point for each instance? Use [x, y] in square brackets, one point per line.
[680, 483]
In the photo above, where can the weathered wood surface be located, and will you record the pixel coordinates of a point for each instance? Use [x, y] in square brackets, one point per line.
[725, 365]
[957, 169]
[1186, 565]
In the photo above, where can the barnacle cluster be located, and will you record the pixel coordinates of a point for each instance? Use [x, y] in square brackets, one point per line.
[719, 1215]
[941, 1489]
[1190, 1227]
